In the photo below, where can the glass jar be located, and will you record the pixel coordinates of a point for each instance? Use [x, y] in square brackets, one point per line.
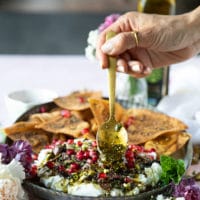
[130, 91]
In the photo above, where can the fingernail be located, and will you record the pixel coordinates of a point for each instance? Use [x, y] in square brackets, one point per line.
[120, 68]
[107, 47]
[147, 70]
[135, 68]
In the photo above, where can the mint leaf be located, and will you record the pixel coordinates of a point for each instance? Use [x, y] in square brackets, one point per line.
[172, 169]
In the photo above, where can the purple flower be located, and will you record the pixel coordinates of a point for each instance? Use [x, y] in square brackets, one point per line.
[108, 21]
[5, 155]
[188, 189]
[20, 151]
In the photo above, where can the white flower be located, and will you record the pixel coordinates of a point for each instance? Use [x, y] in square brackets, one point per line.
[90, 50]
[11, 177]
[92, 38]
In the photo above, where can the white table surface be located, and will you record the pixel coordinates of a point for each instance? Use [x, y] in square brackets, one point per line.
[64, 74]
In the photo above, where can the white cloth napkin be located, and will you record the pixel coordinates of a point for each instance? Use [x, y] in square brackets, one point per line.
[186, 107]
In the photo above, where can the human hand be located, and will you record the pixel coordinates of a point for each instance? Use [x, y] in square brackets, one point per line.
[163, 40]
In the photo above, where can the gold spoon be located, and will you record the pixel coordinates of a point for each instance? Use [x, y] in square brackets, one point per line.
[112, 138]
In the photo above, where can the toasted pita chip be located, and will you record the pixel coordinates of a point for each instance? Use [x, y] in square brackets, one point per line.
[182, 139]
[165, 144]
[20, 127]
[146, 125]
[71, 126]
[43, 117]
[100, 110]
[77, 100]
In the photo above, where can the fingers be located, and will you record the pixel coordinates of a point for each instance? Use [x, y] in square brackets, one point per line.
[119, 44]
[138, 70]
[133, 68]
[101, 40]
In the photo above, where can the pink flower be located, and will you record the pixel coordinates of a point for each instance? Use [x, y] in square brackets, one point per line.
[108, 21]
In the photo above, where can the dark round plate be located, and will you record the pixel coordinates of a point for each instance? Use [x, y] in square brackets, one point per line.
[48, 194]
[36, 189]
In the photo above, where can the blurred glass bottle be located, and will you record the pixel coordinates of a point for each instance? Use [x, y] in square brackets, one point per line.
[130, 91]
[159, 79]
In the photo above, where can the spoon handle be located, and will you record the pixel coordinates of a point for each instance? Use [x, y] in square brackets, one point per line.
[112, 78]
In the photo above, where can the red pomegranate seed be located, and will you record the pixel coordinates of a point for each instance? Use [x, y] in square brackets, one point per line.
[74, 166]
[66, 113]
[34, 156]
[61, 168]
[94, 143]
[42, 109]
[129, 154]
[129, 121]
[80, 155]
[94, 159]
[86, 154]
[50, 165]
[70, 152]
[81, 99]
[79, 143]
[85, 131]
[33, 170]
[102, 175]
[127, 180]
[70, 141]
[89, 161]
[92, 153]
[150, 150]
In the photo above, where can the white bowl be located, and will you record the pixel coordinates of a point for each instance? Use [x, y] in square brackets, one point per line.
[17, 102]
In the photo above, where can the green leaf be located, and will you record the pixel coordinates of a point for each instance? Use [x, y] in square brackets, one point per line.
[172, 169]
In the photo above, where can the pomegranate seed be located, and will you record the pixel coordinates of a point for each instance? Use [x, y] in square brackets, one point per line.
[70, 170]
[79, 143]
[50, 165]
[102, 175]
[150, 150]
[92, 153]
[129, 121]
[42, 109]
[127, 180]
[66, 113]
[74, 166]
[34, 156]
[80, 155]
[129, 154]
[85, 131]
[94, 143]
[86, 154]
[94, 159]
[61, 168]
[70, 152]
[33, 170]
[70, 141]
[49, 146]
[81, 99]
[89, 161]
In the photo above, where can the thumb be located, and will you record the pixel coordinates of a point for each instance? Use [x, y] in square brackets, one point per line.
[119, 44]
